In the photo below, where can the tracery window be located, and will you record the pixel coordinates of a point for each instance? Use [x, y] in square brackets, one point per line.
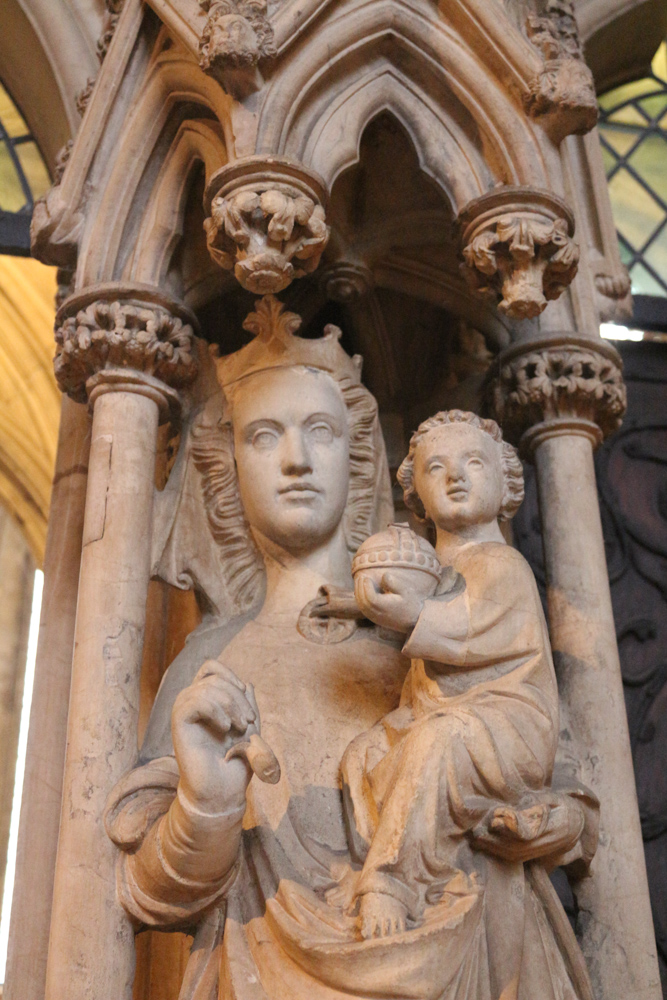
[23, 177]
[633, 134]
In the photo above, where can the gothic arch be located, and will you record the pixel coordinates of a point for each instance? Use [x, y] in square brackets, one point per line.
[394, 57]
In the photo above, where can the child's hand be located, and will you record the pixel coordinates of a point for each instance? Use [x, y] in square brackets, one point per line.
[393, 605]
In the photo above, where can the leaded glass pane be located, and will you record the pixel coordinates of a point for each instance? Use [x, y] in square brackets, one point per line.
[12, 196]
[633, 134]
[34, 168]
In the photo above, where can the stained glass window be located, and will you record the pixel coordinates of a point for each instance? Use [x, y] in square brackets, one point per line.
[23, 177]
[633, 134]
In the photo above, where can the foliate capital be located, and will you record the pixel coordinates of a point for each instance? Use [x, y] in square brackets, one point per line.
[518, 249]
[115, 327]
[266, 222]
[556, 384]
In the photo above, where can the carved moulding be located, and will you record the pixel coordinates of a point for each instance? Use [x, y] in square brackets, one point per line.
[127, 336]
[236, 38]
[561, 386]
[562, 95]
[266, 221]
[518, 248]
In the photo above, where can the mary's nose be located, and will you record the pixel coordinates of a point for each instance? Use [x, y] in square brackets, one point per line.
[295, 457]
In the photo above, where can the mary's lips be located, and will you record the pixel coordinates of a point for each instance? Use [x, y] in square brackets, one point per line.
[299, 488]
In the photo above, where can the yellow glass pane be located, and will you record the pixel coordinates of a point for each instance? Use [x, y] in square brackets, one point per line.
[11, 119]
[656, 255]
[609, 160]
[636, 213]
[629, 115]
[11, 192]
[34, 168]
[627, 92]
[659, 64]
[649, 160]
[643, 283]
[620, 139]
[655, 104]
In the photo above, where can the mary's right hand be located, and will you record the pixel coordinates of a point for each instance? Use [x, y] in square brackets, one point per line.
[216, 711]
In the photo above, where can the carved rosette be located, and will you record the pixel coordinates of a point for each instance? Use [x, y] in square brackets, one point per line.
[563, 93]
[567, 386]
[266, 221]
[518, 249]
[111, 328]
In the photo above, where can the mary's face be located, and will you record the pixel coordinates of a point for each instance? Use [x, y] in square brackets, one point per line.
[291, 446]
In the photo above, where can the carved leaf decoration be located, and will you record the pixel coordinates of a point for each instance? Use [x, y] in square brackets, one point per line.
[269, 321]
[282, 211]
[479, 254]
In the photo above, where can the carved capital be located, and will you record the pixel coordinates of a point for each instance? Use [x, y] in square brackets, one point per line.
[266, 222]
[114, 327]
[562, 94]
[518, 249]
[237, 36]
[546, 388]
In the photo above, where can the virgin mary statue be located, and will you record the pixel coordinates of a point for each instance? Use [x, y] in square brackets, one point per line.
[288, 468]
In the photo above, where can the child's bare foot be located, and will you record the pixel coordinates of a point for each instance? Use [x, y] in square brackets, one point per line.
[521, 824]
[381, 915]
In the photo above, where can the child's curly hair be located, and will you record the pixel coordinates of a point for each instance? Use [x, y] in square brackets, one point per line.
[512, 469]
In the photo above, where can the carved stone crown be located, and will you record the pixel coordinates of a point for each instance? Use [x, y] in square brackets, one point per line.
[398, 547]
[275, 346]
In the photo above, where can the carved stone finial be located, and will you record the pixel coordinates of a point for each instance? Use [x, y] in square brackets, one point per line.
[541, 386]
[276, 346]
[115, 327]
[518, 249]
[238, 35]
[563, 93]
[266, 222]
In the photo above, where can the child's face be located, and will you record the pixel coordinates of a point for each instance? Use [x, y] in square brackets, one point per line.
[458, 476]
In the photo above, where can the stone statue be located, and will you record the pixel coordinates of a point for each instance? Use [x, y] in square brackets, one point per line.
[236, 825]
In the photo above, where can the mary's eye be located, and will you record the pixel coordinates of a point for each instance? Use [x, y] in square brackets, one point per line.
[434, 467]
[476, 463]
[322, 433]
[264, 439]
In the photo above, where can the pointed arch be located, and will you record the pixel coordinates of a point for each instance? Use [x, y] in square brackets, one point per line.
[468, 133]
[152, 162]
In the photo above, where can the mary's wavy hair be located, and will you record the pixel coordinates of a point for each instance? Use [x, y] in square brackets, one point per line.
[513, 491]
[213, 454]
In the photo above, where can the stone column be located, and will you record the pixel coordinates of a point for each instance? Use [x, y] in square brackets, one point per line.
[45, 757]
[17, 574]
[125, 349]
[558, 399]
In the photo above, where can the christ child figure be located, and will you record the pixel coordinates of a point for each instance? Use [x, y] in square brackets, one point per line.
[473, 743]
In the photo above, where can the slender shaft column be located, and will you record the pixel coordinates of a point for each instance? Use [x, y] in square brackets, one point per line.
[559, 400]
[91, 945]
[45, 757]
[17, 573]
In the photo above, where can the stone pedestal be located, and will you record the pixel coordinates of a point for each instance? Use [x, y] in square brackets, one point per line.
[559, 400]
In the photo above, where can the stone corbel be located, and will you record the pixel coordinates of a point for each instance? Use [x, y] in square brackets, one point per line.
[128, 337]
[561, 386]
[518, 249]
[266, 221]
[237, 38]
[562, 95]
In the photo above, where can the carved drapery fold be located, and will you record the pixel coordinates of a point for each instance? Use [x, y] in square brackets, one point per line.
[568, 386]
[266, 221]
[518, 249]
[562, 94]
[125, 331]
